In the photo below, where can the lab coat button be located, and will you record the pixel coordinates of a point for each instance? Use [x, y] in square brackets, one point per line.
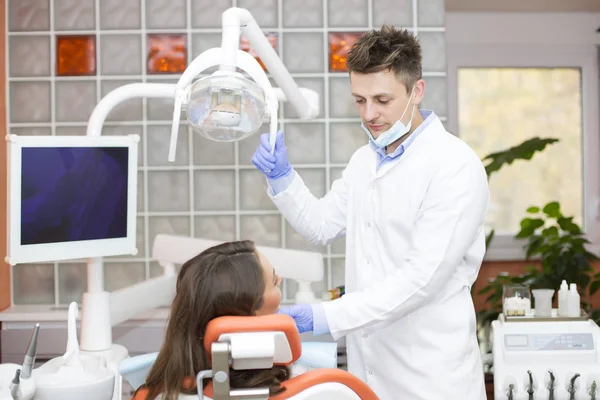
[368, 261]
[372, 187]
[369, 224]
[370, 372]
[365, 335]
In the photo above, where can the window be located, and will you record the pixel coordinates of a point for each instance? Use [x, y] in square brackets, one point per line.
[502, 94]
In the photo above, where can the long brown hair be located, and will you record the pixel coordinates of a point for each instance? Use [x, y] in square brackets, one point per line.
[224, 280]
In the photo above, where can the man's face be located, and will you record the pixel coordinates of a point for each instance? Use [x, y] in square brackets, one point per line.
[381, 99]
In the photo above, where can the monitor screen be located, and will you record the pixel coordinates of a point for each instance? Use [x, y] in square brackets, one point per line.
[71, 194]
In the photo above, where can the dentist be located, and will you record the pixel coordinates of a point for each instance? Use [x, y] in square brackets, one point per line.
[411, 204]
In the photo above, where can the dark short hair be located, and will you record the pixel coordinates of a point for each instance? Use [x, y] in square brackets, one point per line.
[388, 48]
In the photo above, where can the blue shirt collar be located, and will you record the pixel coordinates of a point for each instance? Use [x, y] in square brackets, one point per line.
[428, 117]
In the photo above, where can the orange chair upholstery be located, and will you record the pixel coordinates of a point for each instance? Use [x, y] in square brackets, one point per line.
[224, 326]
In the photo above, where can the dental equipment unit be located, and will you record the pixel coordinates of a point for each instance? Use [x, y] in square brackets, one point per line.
[546, 358]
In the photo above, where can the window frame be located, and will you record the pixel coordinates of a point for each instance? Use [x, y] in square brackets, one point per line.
[533, 41]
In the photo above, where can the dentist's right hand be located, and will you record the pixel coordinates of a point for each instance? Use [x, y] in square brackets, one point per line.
[274, 165]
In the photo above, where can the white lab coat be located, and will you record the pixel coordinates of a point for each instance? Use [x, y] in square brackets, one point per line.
[415, 241]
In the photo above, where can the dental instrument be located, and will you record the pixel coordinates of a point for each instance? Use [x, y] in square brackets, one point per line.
[16, 380]
[29, 361]
[14, 386]
[545, 357]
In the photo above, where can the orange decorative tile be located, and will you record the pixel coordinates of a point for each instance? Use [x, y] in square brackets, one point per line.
[75, 55]
[339, 46]
[167, 54]
[246, 46]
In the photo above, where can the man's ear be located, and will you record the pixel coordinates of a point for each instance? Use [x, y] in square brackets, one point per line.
[419, 92]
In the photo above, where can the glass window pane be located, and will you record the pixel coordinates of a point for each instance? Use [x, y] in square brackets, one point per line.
[502, 107]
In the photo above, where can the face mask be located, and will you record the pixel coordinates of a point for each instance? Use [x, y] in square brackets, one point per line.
[396, 131]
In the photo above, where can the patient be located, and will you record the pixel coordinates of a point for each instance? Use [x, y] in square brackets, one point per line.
[231, 279]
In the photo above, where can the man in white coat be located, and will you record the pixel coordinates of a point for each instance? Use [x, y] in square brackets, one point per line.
[411, 204]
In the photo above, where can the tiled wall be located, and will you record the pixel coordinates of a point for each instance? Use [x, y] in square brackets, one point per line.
[64, 55]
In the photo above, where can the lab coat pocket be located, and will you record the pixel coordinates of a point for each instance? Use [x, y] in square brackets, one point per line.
[440, 334]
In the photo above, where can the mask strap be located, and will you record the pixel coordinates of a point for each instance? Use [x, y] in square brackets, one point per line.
[407, 104]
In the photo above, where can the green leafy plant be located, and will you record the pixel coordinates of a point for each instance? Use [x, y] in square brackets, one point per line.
[524, 151]
[560, 246]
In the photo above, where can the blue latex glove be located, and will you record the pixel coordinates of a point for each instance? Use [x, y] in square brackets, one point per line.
[302, 314]
[274, 165]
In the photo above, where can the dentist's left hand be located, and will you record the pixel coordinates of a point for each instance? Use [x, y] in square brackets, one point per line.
[302, 314]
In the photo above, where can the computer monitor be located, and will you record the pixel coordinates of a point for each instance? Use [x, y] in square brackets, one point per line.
[71, 197]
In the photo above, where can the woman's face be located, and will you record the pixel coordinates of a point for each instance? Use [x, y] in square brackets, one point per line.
[272, 295]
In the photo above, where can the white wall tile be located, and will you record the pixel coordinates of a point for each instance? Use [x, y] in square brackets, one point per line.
[348, 13]
[217, 227]
[75, 100]
[214, 190]
[28, 15]
[430, 13]
[33, 283]
[433, 46]
[303, 52]
[165, 14]
[71, 15]
[264, 230]
[168, 191]
[393, 12]
[168, 225]
[36, 130]
[72, 278]
[29, 101]
[305, 143]
[209, 152]
[158, 137]
[248, 146]
[341, 102]
[204, 41]
[129, 110]
[121, 54]
[345, 139]
[253, 191]
[316, 84]
[303, 14]
[120, 275]
[140, 191]
[207, 13]
[120, 14]
[29, 56]
[263, 11]
[436, 95]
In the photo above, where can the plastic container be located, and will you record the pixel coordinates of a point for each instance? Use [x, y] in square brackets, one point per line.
[543, 302]
[573, 300]
[563, 292]
[516, 300]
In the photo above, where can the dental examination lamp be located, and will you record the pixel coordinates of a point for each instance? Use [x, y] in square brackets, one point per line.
[226, 106]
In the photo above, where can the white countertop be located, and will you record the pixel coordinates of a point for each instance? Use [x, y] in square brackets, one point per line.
[46, 313]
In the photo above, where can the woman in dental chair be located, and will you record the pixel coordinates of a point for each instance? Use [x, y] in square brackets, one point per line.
[231, 279]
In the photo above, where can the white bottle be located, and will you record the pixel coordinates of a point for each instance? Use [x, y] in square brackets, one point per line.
[573, 301]
[563, 292]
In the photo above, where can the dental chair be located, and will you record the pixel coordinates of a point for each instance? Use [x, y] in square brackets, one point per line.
[246, 343]
[261, 342]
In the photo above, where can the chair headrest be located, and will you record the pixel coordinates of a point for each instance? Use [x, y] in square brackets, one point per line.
[277, 331]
